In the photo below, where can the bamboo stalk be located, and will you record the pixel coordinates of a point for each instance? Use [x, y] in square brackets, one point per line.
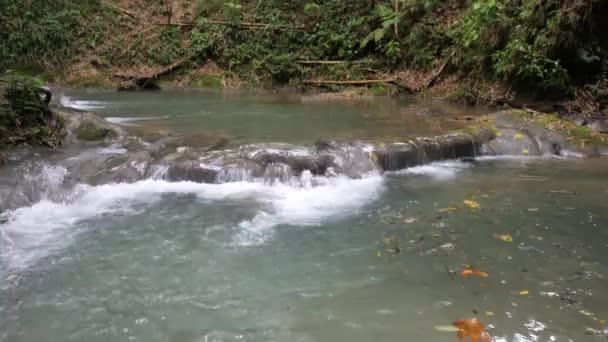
[357, 82]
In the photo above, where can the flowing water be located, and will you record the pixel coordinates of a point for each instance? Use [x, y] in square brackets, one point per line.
[269, 117]
[313, 258]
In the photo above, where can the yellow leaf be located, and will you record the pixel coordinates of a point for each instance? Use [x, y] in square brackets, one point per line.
[379, 254]
[450, 208]
[519, 136]
[382, 145]
[471, 204]
[505, 238]
[498, 133]
[525, 151]
[489, 313]
[524, 292]
[602, 321]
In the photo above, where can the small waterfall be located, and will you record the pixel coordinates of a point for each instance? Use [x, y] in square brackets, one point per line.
[157, 172]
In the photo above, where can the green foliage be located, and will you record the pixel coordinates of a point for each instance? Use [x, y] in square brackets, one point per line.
[540, 45]
[388, 20]
[47, 32]
[25, 118]
[545, 47]
[312, 10]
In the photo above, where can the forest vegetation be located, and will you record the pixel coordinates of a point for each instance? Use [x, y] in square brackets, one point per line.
[468, 50]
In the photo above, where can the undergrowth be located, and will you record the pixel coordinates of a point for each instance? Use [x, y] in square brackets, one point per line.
[550, 48]
[25, 118]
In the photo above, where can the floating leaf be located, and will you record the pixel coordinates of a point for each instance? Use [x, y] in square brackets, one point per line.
[524, 292]
[473, 329]
[468, 271]
[518, 136]
[471, 204]
[503, 237]
[450, 208]
[498, 133]
[489, 313]
[379, 254]
[602, 321]
[525, 151]
[410, 220]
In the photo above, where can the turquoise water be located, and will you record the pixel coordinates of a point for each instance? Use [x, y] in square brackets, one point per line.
[268, 117]
[314, 259]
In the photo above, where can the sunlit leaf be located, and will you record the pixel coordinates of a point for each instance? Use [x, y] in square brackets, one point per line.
[471, 204]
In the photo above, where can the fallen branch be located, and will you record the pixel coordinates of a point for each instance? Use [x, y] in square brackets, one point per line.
[328, 62]
[357, 82]
[243, 25]
[119, 9]
[144, 79]
[429, 83]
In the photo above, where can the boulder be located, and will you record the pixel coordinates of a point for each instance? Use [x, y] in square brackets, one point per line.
[89, 127]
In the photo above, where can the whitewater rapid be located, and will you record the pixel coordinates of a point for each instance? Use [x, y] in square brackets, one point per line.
[31, 233]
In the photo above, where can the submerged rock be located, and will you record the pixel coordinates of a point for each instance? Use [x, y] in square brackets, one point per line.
[88, 127]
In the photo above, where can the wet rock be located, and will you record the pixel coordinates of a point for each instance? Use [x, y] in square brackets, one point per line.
[11, 199]
[297, 158]
[87, 127]
[513, 142]
[352, 160]
[598, 123]
[194, 171]
[134, 169]
[410, 153]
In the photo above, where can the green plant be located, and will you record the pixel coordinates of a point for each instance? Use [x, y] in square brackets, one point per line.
[25, 117]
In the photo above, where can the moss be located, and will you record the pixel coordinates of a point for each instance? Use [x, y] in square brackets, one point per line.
[208, 81]
[577, 134]
[461, 94]
[89, 131]
[378, 90]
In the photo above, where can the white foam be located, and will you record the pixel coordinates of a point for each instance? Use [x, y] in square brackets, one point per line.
[439, 170]
[126, 120]
[310, 205]
[67, 101]
[35, 232]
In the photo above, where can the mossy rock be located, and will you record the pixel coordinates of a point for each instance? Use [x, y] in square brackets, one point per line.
[88, 127]
[89, 131]
[579, 135]
[208, 81]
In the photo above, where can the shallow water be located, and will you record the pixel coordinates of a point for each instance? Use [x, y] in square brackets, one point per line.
[246, 117]
[312, 259]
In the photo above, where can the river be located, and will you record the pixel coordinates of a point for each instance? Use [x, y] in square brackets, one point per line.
[315, 258]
